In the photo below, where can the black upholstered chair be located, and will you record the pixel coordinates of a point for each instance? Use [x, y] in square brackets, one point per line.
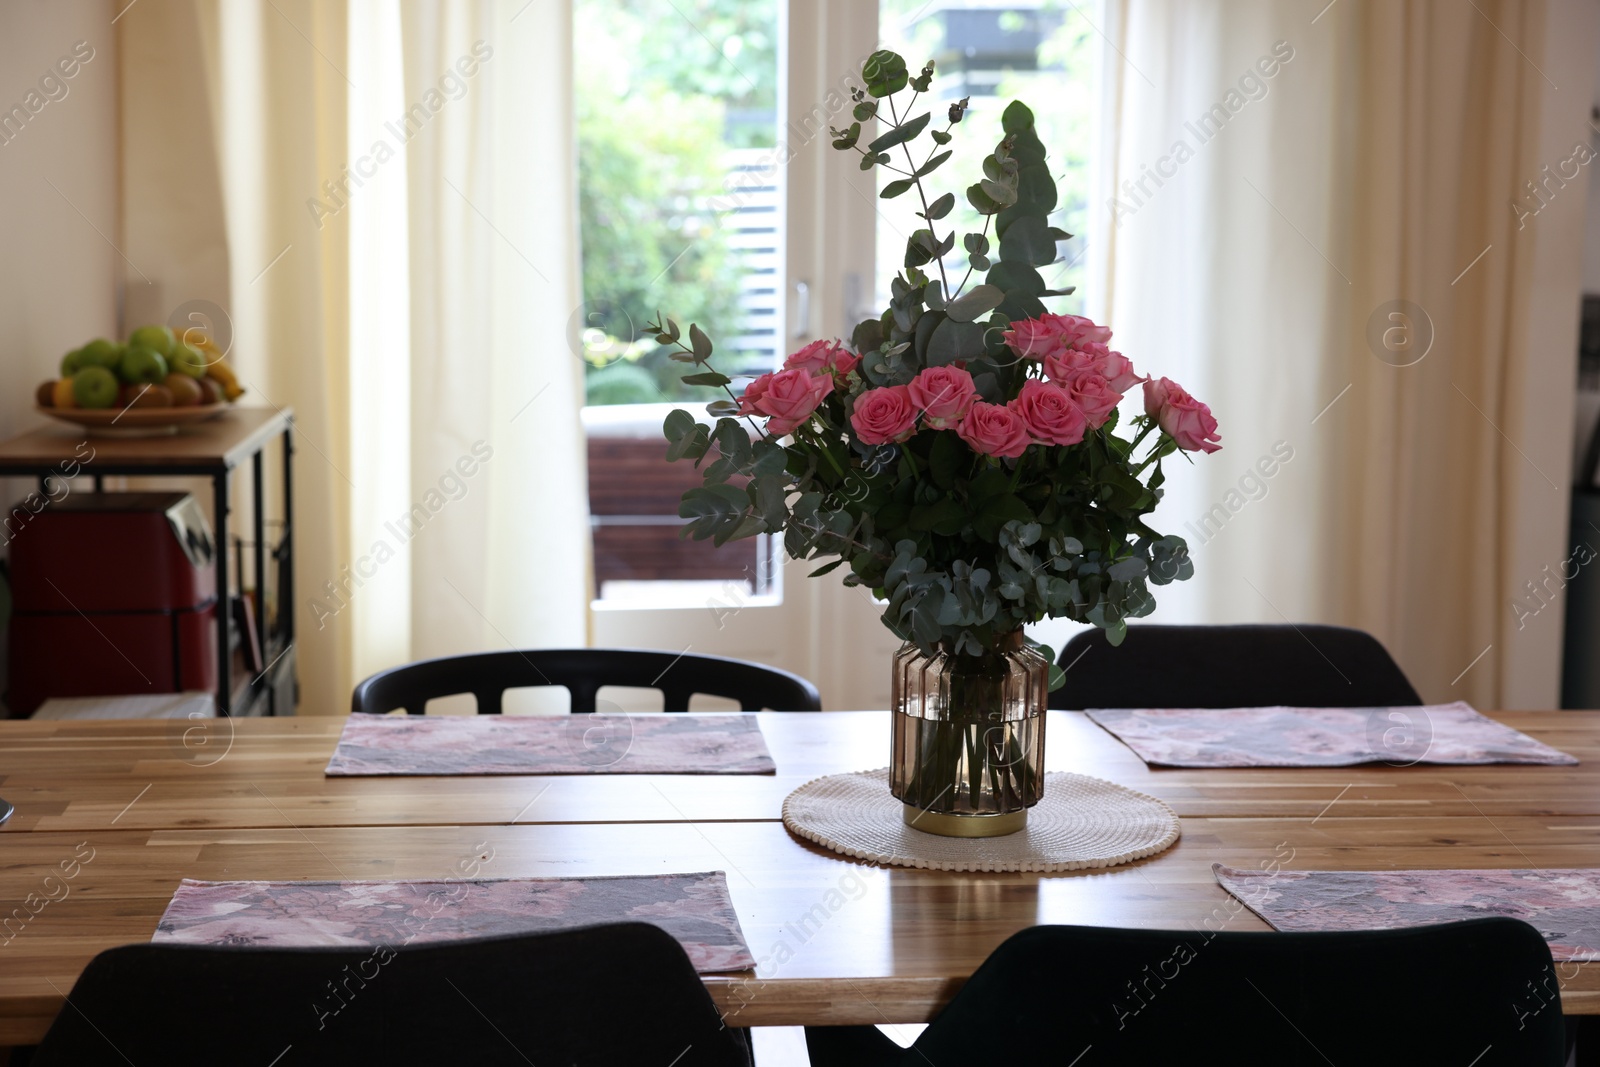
[582, 671]
[1482, 992]
[603, 996]
[1231, 667]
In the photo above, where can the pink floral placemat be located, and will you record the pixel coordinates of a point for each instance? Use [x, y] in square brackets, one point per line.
[1321, 737]
[550, 744]
[694, 908]
[1563, 905]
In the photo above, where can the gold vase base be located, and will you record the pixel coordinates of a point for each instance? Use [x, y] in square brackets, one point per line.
[932, 822]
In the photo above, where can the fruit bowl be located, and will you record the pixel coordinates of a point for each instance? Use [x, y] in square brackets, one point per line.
[135, 421]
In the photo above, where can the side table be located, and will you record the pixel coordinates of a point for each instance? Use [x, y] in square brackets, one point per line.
[210, 449]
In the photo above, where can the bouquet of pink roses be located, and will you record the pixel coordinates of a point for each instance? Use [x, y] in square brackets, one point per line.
[961, 454]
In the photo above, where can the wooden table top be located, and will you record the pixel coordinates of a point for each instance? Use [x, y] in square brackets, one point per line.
[220, 443]
[837, 941]
[202, 774]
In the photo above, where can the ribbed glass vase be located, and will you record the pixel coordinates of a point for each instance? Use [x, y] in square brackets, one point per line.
[968, 758]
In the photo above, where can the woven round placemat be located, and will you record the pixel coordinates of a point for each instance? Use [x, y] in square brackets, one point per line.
[1081, 823]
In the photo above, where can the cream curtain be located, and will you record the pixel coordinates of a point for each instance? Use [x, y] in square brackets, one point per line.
[232, 115]
[494, 280]
[1275, 176]
[395, 244]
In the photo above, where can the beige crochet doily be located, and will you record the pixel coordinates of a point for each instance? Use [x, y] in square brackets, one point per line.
[1081, 823]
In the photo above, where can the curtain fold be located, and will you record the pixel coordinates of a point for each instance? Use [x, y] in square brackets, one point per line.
[395, 243]
[1279, 183]
[494, 284]
[280, 96]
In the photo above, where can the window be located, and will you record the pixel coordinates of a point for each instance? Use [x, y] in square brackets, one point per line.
[680, 214]
[992, 53]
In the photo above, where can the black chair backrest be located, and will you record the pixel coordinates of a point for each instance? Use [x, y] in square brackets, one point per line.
[582, 671]
[1301, 666]
[1482, 992]
[620, 995]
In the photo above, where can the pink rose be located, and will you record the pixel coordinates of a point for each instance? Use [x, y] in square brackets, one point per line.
[995, 430]
[1092, 357]
[1181, 416]
[1037, 338]
[943, 395]
[884, 415]
[1051, 415]
[1094, 397]
[752, 393]
[789, 397]
[820, 356]
[1115, 368]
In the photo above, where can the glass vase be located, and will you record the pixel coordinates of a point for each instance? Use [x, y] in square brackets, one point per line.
[968, 747]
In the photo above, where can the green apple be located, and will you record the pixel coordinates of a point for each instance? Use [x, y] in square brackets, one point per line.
[94, 387]
[71, 362]
[188, 359]
[159, 338]
[100, 353]
[141, 365]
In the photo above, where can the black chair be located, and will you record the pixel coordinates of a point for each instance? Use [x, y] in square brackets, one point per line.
[582, 671]
[1482, 992]
[620, 995]
[1231, 667]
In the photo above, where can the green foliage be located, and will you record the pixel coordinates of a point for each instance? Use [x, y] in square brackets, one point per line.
[650, 134]
[964, 547]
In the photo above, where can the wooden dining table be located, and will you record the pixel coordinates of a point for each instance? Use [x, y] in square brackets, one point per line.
[132, 807]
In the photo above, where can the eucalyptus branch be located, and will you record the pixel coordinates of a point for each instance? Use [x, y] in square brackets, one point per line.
[731, 395]
[819, 533]
[965, 277]
[885, 166]
[921, 193]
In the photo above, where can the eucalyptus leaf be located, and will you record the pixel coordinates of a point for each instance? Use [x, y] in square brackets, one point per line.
[884, 73]
[940, 207]
[691, 445]
[1012, 275]
[867, 336]
[711, 378]
[713, 510]
[700, 343]
[952, 340]
[932, 164]
[677, 423]
[976, 301]
[748, 526]
[999, 192]
[981, 201]
[1028, 240]
[896, 187]
[900, 134]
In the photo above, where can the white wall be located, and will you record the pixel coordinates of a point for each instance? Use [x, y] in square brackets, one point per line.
[59, 278]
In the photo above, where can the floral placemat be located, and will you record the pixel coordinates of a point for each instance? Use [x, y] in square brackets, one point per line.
[550, 744]
[694, 908]
[1563, 905]
[1321, 737]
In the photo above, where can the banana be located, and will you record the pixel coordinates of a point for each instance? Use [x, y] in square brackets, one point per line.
[225, 377]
